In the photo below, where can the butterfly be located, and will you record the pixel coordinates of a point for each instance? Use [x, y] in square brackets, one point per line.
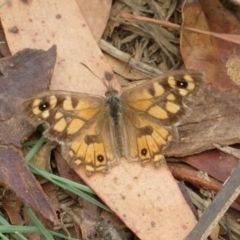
[97, 131]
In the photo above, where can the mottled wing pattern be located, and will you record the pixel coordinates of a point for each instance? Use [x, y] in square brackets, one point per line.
[142, 121]
[151, 111]
[79, 123]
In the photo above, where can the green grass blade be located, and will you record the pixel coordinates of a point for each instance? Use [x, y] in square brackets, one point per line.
[38, 224]
[27, 229]
[6, 224]
[74, 187]
[35, 148]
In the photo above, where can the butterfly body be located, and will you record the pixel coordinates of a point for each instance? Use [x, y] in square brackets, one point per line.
[114, 107]
[98, 131]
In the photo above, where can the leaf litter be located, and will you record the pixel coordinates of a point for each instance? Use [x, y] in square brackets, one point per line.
[145, 45]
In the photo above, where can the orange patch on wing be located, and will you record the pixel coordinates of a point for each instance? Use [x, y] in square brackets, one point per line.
[158, 112]
[75, 125]
[141, 105]
[60, 125]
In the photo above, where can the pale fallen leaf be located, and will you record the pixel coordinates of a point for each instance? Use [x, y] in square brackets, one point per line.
[96, 15]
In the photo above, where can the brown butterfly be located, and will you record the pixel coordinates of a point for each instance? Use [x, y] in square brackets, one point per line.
[98, 131]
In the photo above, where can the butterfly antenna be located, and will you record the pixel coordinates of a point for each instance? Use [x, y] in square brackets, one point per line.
[94, 74]
[106, 77]
[128, 62]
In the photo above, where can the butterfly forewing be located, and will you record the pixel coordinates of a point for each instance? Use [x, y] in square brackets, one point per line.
[163, 97]
[63, 113]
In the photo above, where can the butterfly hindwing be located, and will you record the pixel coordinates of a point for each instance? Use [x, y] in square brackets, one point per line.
[146, 139]
[94, 148]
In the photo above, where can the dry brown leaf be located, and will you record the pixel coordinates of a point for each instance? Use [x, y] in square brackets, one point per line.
[21, 72]
[42, 159]
[15, 175]
[209, 54]
[12, 206]
[51, 191]
[214, 162]
[188, 174]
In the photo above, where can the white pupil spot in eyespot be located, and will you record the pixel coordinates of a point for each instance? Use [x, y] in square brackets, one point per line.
[144, 151]
[100, 158]
[44, 106]
[182, 84]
